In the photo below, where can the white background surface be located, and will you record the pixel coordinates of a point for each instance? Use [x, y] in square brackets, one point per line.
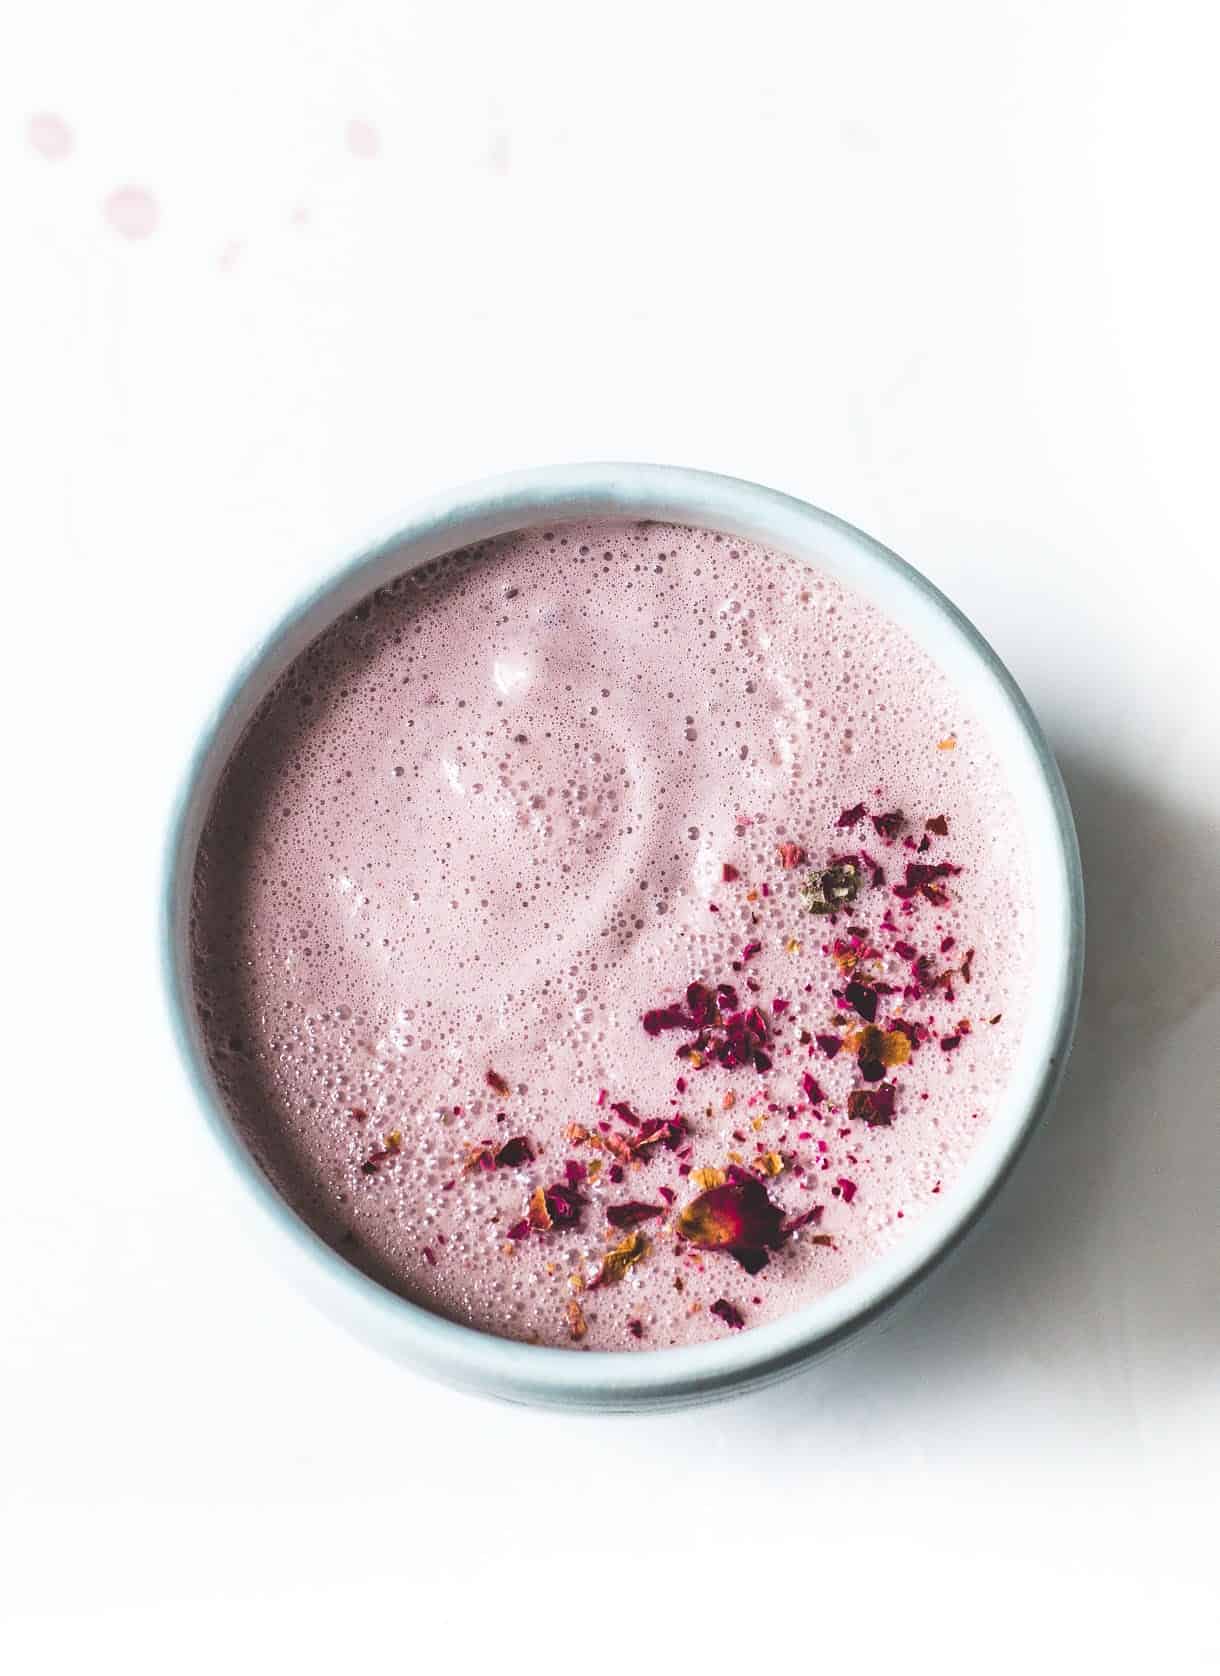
[947, 269]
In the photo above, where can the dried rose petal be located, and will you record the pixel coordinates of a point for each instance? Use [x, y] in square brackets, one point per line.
[635, 1327]
[575, 1172]
[923, 878]
[576, 1320]
[812, 1092]
[631, 1214]
[948, 1043]
[832, 889]
[939, 824]
[880, 1050]
[563, 1204]
[670, 1131]
[515, 1151]
[863, 998]
[750, 950]
[847, 1189]
[520, 1230]
[539, 1211]
[790, 856]
[888, 826]
[829, 1045]
[710, 1175]
[728, 1313]
[737, 1217]
[874, 1106]
[728, 873]
[657, 1019]
[851, 817]
[496, 1082]
[617, 1261]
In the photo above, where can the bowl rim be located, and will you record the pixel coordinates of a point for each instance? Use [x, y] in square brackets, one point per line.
[467, 1357]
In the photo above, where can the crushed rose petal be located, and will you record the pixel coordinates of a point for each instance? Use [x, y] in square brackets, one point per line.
[631, 1214]
[737, 1217]
[617, 1261]
[576, 1320]
[874, 1106]
[709, 1176]
[728, 1313]
[835, 887]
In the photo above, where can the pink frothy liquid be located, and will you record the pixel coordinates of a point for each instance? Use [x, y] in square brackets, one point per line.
[519, 799]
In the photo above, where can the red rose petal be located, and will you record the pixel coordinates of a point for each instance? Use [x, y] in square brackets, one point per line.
[874, 1106]
[728, 1313]
[631, 1214]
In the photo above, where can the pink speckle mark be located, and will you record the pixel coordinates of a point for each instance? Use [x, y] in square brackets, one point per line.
[300, 216]
[363, 140]
[132, 212]
[230, 253]
[499, 152]
[50, 136]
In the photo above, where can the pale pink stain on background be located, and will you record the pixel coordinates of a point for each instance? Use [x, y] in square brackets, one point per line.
[50, 136]
[132, 212]
[363, 140]
[300, 216]
[499, 155]
[229, 254]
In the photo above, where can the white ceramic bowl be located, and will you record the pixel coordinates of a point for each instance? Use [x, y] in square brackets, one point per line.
[611, 1380]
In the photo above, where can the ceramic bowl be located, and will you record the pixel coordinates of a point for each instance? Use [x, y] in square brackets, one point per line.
[609, 1380]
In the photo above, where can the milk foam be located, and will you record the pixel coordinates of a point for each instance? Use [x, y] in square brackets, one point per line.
[482, 824]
